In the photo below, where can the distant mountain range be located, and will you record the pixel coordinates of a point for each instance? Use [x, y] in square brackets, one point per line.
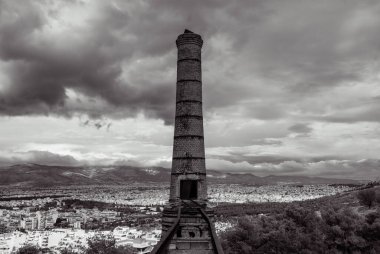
[35, 175]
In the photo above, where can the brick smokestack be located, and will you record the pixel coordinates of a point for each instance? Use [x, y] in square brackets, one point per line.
[187, 222]
[188, 149]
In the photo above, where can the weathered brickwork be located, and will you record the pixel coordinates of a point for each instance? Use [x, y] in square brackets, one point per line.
[188, 147]
[189, 70]
[189, 90]
[189, 108]
[188, 183]
[185, 165]
[185, 126]
[173, 187]
[189, 51]
[189, 39]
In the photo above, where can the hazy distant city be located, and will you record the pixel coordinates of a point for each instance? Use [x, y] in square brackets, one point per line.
[64, 217]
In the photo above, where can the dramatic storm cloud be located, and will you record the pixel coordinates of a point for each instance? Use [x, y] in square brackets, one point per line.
[290, 87]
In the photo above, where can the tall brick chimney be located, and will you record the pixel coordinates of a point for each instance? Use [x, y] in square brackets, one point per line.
[187, 223]
[188, 176]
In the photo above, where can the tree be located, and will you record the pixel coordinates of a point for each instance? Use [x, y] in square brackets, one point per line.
[68, 251]
[105, 244]
[378, 198]
[342, 231]
[300, 230]
[29, 249]
[3, 229]
[367, 197]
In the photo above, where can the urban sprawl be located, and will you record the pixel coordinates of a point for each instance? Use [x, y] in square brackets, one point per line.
[65, 217]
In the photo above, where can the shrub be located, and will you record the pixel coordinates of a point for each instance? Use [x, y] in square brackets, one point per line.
[299, 230]
[105, 244]
[68, 251]
[29, 249]
[367, 197]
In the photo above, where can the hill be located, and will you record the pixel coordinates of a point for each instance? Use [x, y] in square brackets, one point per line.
[42, 175]
[347, 199]
[333, 224]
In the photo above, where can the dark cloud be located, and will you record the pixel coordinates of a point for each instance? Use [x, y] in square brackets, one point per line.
[43, 66]
[98, 124]
[300, 128]
[361, 169]
[235, 158]
[40, 157]
[367, 113]
[267, 58]
[327, 166]
[270, 159]
[48, 158]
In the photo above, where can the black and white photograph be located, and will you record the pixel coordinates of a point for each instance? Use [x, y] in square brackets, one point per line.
[189, 127]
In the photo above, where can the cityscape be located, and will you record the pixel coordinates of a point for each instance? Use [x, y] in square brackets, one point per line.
[65, 217]
[189, 127]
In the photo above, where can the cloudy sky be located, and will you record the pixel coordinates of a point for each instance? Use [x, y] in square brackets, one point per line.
[290, 87]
